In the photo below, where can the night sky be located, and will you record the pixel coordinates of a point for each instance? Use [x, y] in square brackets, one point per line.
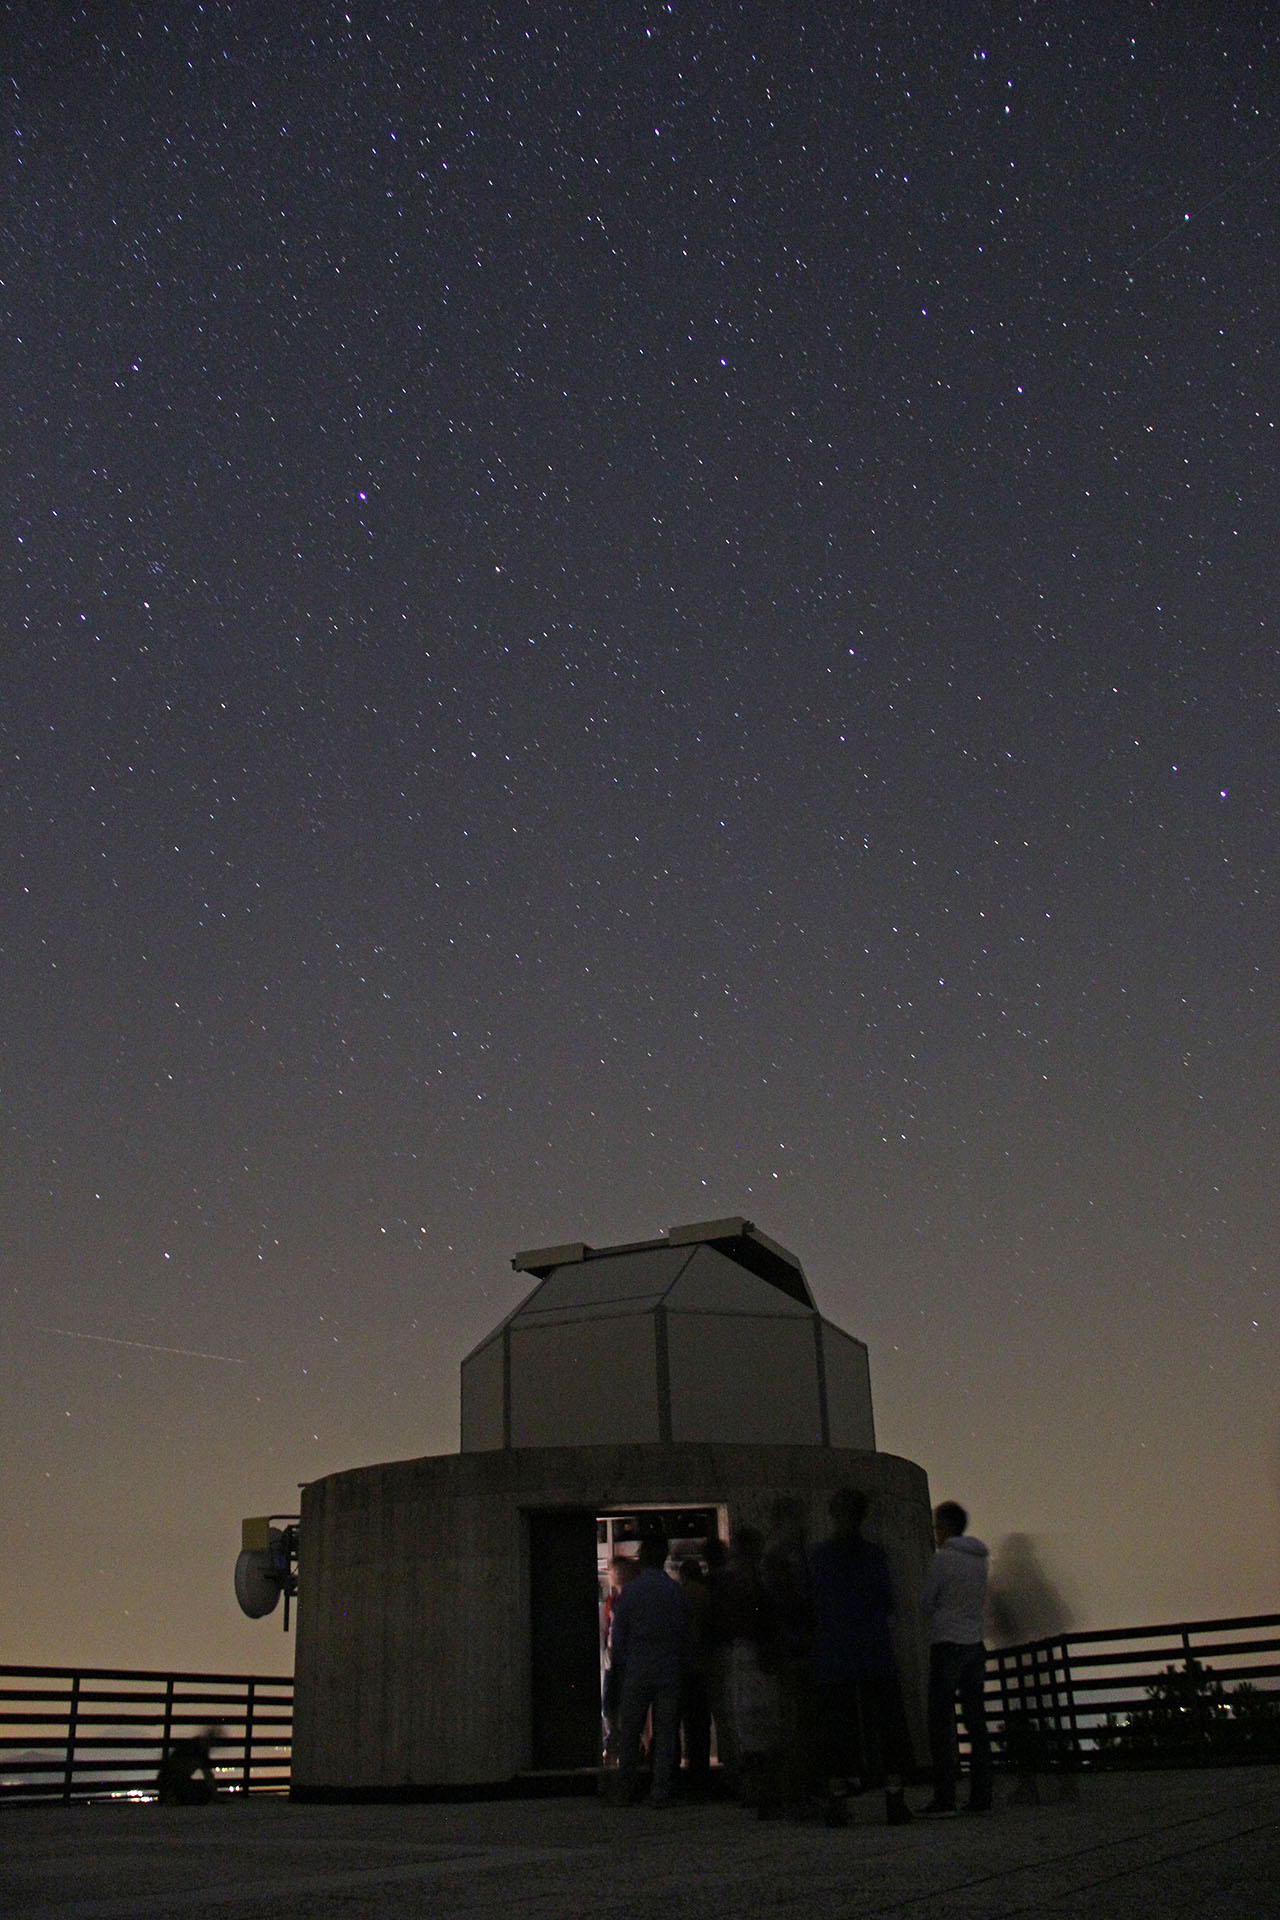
[618, 614]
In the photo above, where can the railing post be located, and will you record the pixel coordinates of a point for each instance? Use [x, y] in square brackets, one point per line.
[1038, 1709]
[1002, 1673]
[1074, 1757]
[247, 1774]
[1051, 1708]
[1014, 1703]
[73, 1714]
[167, 1731]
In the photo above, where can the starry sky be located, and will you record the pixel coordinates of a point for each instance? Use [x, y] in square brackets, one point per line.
[616, 614]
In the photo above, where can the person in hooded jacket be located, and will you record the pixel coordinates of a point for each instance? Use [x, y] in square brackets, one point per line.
[953, 1599]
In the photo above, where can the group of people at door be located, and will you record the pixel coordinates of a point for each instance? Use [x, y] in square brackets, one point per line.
[787, 1649]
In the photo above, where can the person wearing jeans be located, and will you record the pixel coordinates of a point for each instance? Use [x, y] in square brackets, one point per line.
[953, 1600]
[651, 1641]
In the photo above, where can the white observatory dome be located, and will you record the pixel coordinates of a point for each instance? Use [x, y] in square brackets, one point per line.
[707, 1334]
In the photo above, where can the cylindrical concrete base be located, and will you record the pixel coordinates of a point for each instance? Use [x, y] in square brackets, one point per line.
[415, 1654]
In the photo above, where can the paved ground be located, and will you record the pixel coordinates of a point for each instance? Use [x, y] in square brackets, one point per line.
[1170, 1845]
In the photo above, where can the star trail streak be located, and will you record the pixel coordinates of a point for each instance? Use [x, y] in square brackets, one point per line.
[141, 1346]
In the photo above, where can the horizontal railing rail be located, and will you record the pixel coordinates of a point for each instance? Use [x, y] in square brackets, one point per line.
[78, 1733]
[1175, 1694]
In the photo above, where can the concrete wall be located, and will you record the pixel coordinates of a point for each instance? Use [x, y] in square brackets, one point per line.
[412, 1664]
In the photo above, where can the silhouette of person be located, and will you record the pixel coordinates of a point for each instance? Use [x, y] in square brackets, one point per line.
[186, 1778]
[1024, 1605]
[719, 1641]
[651, 1641]
[785, 1573]
[695, 1698]
[954, 1598]
[1022, 1601]
[622, 1568]
[755, 1690]
[862, 1724]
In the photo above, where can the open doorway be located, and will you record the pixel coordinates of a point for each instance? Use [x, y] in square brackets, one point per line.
[569, 1607]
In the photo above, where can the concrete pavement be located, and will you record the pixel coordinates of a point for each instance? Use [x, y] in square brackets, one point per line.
[1181, 1846]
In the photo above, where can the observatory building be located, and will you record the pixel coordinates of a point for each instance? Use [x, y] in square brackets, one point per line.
[448, 1608]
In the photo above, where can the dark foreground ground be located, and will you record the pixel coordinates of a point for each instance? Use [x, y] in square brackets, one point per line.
[1169, 1845]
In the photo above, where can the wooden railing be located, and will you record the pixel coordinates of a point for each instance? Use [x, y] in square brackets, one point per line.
[1180, 1694]
[1139, 1696]
[100, 1732]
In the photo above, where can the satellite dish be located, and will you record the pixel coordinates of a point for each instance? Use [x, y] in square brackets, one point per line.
[258, 1582]
[266, 1568]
